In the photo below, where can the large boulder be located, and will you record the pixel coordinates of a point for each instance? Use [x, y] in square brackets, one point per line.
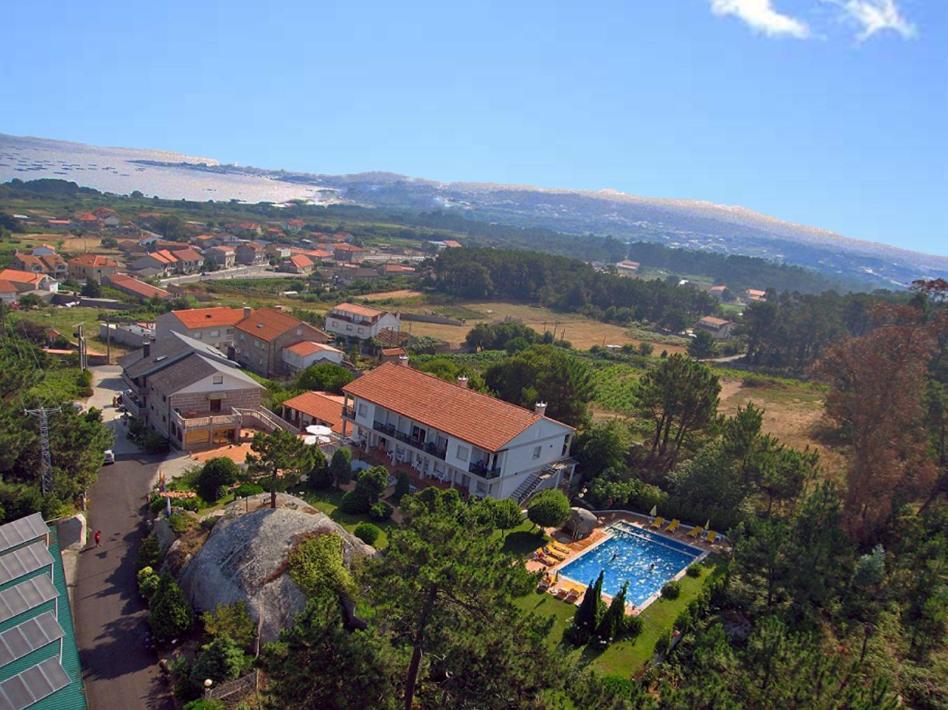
[245, 560]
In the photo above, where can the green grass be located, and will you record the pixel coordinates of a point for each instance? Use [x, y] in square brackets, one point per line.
[59, 384]
[627, 657]
[614, 386]
[328, 501]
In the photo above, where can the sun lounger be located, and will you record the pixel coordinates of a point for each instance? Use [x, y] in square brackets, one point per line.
[658, 522]
[711, 536]
[673, 526]
[550, 552]
[695, 531]
[561, 593]
[572, 596]
[557, 546]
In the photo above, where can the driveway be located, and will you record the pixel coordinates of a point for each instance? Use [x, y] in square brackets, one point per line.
[111, 619]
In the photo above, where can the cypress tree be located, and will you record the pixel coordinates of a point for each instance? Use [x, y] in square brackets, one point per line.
[613, 619]
[590, 609]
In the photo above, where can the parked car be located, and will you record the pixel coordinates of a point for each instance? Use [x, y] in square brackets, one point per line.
[108, 457]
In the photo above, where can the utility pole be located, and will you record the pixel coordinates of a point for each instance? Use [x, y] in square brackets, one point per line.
[46, 465]
[82, 347]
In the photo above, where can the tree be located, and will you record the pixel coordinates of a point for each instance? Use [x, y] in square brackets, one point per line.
[505, 514]
[589, 612]
[318, 476]
[545, 373]
[445, 591]
[232, 621]
[882, 415]
[549, 508]
[277, 455]
[613, 620]
[498, 336]
[217, 472]
[221, 659]
[318, 664]
[169, 614]
[325, 377]
[678, 396]
[92, 289]
[601, 446]
[341, 466]
[702, 345]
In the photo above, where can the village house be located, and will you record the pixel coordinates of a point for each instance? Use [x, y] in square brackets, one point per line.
[191, 393]
[307, 352]
[719, 328]
[251, 254]
[161, 262]
[8, 292]
[26, 282]
[396, 269]
[755, 295]
[297, 264]
[360, 322]
[189, 260]
[278, 251]
[346, 252]
[51, 264]
[214, 326]
[262, 335]
[221, 257]
[92, 267]
[445, 431]
[314, 408]
[135, 288]
[392, 354]
[627, 267]
[717, 291]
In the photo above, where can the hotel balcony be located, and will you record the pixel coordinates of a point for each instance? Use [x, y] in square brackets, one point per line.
[131, 404]
[186, 422]
[481, 468]
[427, 447]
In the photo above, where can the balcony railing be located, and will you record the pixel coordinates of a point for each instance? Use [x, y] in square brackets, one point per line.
[132, 405]
[427, 446]
[220, 420]
[480, 468]
[349, 412]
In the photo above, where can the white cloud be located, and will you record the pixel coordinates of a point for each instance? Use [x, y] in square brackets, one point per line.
[761, 16]
[873, 16]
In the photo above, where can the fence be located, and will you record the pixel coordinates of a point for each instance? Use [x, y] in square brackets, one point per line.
[233, 690]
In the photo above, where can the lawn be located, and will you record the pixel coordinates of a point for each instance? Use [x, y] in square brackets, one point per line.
[59, 384]
[327, 501]
[628, 657]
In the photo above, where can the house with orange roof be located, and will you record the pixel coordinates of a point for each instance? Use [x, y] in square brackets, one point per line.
[719, 328]
[261, 336]
[161, 262]
[627, 267]
[92, 267]
[446, 431]
[29, 282]
[755, 295]
[188, 259]
[8, 291]
[299, 356]
[356, 322]
[298, 264]
[222, 257]
[718, 291]
[214, 326]
[314, 408]
[135, 288]
[250, 253]
[50, 264]
[396, 269]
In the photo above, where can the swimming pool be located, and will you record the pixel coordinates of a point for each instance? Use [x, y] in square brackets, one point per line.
[645, 560]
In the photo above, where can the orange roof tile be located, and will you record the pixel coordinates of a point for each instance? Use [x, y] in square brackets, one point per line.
[347, 247]
[138, 287]
[452, 243]
[187, 254]
[319, 405]
[93, 260]
[267, 323]
[714, 322]
[364, 311]
[7, 286]
[23, 277]
[308, 347]
[208, 317]
[473, 417]
[301, 261]
[393, 352]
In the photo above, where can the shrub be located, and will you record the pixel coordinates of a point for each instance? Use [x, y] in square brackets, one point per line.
[248, 489]
[355, 503]
[192, 504]
[215, 474]
[319, 477]
[231, 620]
[402, 485]
[372, 482]
[317, 566]
[694, 571]
[575, 635]
[220, 660]
[341, 466]
[170, 615]
[325, 377]
[148, 581]
[204, 704]
[149, 552]
[549, 508]
[367, 532]
[380, 511]
[671, 590]
[632, 626]
[506, 514]
[156, 504]
[180, 523]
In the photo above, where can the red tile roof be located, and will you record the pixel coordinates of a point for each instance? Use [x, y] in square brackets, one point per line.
[714, 322]
[393, 352]
[187, 254]
[473, 417]
[301, 261]
[23, 277]
[308, 347]
[140, 288]
[364, 311]
[347, 247]
[163, 256]
[268, 324]
[7, 286]
[321, 406]
[93, 260]
[208, 317]
[452, 243]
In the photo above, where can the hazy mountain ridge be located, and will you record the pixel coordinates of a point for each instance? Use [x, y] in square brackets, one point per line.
[693, 224]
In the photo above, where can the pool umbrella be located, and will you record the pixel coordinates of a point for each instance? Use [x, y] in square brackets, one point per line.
[654, 511]
[310, 440]
[707, 524]
[318, 430]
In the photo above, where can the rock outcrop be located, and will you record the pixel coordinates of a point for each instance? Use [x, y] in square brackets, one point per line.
[245, 559]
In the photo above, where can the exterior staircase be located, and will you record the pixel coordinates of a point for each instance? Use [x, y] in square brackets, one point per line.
[528, 487]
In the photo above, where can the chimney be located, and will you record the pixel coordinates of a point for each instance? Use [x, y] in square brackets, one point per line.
[247, 311]
[146, 347]
[462, 380]
[540, 409]
[403, 360]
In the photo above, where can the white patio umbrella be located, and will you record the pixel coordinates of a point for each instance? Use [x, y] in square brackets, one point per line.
[654, 511]
[310, 440]
[707, 524]
[318, 430]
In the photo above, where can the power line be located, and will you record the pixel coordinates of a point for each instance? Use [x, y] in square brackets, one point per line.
[46, 465]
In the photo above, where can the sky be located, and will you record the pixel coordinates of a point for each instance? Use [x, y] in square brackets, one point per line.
[831, 113]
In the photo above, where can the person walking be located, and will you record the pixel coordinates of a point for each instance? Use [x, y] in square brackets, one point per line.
[97, 537]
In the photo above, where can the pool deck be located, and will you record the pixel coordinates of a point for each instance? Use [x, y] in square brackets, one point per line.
[569, 590]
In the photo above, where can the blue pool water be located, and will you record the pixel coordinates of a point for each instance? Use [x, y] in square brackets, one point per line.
[628, 557]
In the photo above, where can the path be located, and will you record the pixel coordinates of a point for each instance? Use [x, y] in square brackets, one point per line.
[118, 671]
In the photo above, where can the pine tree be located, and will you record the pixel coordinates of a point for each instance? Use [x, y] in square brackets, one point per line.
[612, 621]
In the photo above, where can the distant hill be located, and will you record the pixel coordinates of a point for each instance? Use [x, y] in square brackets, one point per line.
[691, 224]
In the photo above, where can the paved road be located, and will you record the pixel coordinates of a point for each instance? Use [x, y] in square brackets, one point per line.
[118, 671]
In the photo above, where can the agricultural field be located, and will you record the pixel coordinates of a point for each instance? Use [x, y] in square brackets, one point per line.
[65, 321]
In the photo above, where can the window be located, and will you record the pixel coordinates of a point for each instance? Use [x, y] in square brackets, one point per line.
[197, 336]
[363, 409]
[218, 379]
[537, 450]
[463, 452]
[215, 333]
